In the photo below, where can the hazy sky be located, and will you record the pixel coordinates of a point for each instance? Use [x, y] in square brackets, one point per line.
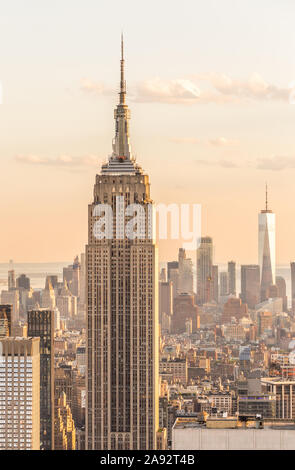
[208, 87]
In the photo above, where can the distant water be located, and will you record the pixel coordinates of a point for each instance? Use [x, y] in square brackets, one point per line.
[37, 272]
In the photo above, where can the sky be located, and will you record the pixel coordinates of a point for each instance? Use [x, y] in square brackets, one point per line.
[210, 88]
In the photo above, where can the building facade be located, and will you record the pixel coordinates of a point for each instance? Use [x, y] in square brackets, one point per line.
[41, 325]
[204, 270]
[122, 304]
[250, 285]
[20, 394]
[266, 250]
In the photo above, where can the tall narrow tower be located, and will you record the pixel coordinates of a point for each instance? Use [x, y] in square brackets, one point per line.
[122, 305]
[204, 270]
[266, 249]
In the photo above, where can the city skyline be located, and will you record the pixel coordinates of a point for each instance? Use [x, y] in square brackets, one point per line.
[171, 327]
[228, 137]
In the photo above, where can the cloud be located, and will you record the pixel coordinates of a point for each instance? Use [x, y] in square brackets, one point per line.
[222, 142]
[95, 87]
[200, 89]
[210, 88]
[181, 91]
[276, 163]
[63, 161]
[221, 163]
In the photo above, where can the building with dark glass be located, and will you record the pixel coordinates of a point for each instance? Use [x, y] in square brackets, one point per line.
[41, 324]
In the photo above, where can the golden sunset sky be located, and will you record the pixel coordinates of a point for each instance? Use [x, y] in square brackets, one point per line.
[210, 91]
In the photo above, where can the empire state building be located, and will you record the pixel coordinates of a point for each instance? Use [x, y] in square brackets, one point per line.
[122, 304]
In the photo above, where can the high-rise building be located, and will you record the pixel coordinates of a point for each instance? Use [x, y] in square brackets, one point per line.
[171, 266]
[165, 303]
[266, 249]
[231, 269]
[250, 284]
[82, 280]
[215, 283]
[264, 321]
[234, 308]
[185, 269]
[5, 320]
[75, 286]
[20, 394]
[224, 284]
[122, 304]
[184, 309]
[65, 433]
[51, 281]
[173, 275]
[11, 280]
[41, 324]
[48, 296]
[23, 282]
[204, 270]
[11, 297]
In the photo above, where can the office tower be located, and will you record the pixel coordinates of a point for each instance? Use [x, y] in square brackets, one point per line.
[165, 302]
[264, 321]
[266, 249]
[282, 291]
[20, 394]
[23, 282]
[250, 285]
[48, 296]
[41, 325]
[82, 280]
[223, 284]
[68, 274]
[63, 382]
[11, 279]
[231, 269]
[122, 305]
[204, 269]
[78, 401]
[215, 283]
[72, 274]
[173, 275]
[5, 320]
[11, 298]
[184, 309]
[75, 286]
[234, 308]
[185, 269]
[51, 281]
[163, 275]
[171, 266]
[64, 427]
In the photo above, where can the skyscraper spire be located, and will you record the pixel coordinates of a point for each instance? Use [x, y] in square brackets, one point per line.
[121, 160]
[121, 144]
[266, 202]
[122, 82]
